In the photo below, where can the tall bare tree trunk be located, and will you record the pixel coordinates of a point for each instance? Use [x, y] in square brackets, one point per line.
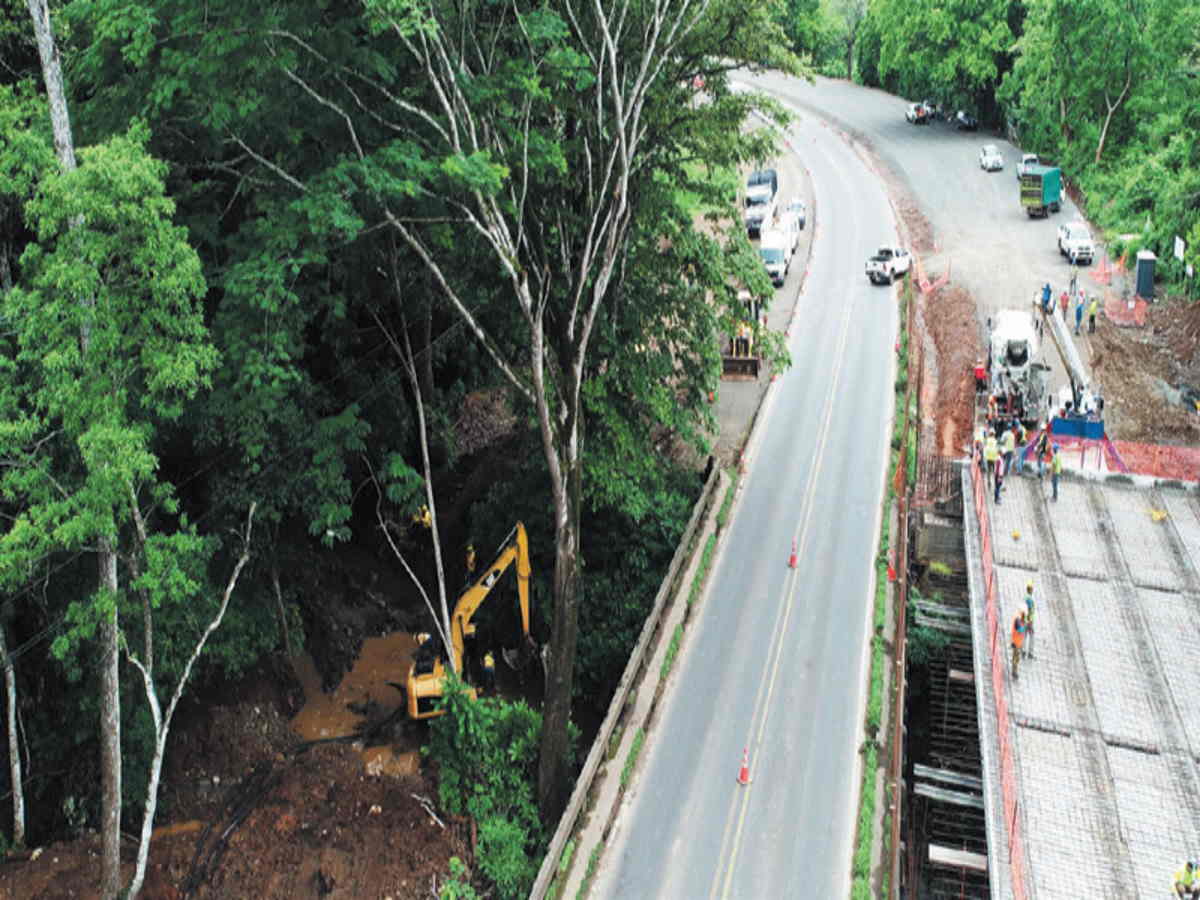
[553, 774]
[14, 749]
[110, 735]
[110, 695]
[1110, 110]
[162, 718]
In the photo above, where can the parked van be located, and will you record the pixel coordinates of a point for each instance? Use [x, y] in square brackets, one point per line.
[775, 248]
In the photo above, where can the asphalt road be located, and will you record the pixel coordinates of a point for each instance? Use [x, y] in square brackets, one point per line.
[982, 234]
[775, 659]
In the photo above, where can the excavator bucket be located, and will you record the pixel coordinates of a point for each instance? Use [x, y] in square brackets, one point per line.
[520, 656]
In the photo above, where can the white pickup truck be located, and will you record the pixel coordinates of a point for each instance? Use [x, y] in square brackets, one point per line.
[1075, 243]
[888, 264]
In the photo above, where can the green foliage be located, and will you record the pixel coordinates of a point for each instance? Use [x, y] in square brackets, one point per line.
[923, 644]
[861, 864]
[955, 50]
[702, 570]
[457, 885]
[1116, 108]
[672, 650]
[727, 501]
[593, 862]
[487, 754]
[635, 750]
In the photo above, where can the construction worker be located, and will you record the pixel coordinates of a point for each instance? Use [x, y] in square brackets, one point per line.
[1042, 450]
[1078, 313]
[1018, 641]
[1187, 882]
[422, 517]
[1093, 308]
[487, 677]
[1064, 303]
[1056, 467]
[991, 453]
[1029, 619]
[1021, 436]
[1008, 445]
[992, 408]
[999, 480]
[470, 560]
[981, 379]
[1046, 295]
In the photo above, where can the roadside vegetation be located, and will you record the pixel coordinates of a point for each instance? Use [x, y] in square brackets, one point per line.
[389, 292]
[1104, 89]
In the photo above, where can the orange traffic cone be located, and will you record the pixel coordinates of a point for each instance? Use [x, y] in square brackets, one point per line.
[792, 558]
[743, 776]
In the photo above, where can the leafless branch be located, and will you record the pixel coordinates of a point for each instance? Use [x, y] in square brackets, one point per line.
[262, 160]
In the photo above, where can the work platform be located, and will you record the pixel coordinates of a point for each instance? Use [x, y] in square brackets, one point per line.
[1090, 758]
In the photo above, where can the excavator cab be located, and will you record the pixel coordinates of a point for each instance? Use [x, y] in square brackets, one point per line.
[427, 674]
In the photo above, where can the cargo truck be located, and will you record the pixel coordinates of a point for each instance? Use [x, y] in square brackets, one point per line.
[1041, 190]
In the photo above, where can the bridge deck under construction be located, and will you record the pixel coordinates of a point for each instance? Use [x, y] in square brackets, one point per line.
[1090, 757]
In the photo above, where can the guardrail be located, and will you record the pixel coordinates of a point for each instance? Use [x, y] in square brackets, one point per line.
[997, 646]
[595, 757]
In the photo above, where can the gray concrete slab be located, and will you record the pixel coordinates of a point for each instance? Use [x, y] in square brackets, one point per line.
[1126, 703]
[1060, 822]
[1102, 720]
[1175, 621]
[1145, 542]
[1160, 835]
[1185, 517]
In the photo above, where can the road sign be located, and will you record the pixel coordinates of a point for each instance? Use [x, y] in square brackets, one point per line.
[1179, 245]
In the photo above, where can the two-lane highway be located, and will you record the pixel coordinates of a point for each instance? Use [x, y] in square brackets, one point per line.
[776, 658]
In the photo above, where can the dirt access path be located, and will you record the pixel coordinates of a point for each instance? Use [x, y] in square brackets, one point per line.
[252, 817]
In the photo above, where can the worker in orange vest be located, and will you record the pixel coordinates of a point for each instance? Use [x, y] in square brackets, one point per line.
[1018, 641]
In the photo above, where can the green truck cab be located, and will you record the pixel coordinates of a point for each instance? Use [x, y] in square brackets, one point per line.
[1041, 190]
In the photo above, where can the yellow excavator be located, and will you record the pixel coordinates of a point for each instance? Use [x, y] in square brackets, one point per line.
[427, 674]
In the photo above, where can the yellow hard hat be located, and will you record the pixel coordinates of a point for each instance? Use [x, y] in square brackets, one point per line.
[1029, 585]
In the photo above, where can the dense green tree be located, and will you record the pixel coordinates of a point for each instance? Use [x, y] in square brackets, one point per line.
[955, 50]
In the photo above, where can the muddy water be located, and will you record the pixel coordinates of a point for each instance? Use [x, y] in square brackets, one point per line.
[382, 659]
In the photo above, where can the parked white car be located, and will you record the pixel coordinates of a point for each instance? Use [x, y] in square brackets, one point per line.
[990, 158]
[776, 248]
[1075, 243]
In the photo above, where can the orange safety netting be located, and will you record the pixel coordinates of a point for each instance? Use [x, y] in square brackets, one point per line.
[997, 646]
[1160, 460]
[1126, 312]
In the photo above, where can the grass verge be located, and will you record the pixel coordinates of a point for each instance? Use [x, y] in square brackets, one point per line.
[903, 432]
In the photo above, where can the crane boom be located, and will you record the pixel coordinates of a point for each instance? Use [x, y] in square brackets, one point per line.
[1077, 373]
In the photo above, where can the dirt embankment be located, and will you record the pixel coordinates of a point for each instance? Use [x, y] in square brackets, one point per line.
[246, 815]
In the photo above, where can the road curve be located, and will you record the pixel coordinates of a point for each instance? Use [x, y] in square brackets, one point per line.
[775, 659]
[982, 234]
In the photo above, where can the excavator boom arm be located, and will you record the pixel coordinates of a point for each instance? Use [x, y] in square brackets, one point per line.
[515, 549]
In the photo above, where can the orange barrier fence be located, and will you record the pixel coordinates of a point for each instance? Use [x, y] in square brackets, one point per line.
[1160, 460]
[1126, 312]
[997, 646]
